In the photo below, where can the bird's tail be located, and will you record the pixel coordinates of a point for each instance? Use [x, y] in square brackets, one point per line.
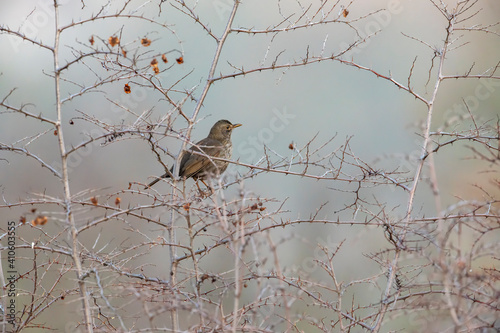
[157, 180]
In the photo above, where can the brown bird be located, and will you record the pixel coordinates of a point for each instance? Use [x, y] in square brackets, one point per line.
[199, 165]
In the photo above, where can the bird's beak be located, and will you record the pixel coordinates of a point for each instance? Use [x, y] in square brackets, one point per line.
[235, 125]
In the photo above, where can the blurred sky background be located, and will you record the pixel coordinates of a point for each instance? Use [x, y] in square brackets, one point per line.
[327, 99]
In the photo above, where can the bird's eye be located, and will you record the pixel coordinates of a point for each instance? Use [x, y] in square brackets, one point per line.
[228, 128]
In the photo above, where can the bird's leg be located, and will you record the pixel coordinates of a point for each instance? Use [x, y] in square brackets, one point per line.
[208, 187]
[198, 185]
[203, 193]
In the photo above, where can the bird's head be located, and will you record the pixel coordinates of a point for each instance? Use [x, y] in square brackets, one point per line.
[222, 130]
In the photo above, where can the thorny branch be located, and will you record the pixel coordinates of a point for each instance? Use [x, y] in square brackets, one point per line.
[238, 260]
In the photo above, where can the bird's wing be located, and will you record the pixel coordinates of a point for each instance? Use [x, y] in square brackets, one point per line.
[193, 164]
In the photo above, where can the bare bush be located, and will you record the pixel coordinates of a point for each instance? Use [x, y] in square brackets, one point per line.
[314, 228]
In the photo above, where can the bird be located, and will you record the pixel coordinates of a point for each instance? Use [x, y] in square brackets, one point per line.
[196, 163]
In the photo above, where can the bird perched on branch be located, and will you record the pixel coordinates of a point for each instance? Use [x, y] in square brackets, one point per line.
[197, 161]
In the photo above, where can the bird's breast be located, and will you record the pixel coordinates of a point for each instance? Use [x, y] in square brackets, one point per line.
[227, 151]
